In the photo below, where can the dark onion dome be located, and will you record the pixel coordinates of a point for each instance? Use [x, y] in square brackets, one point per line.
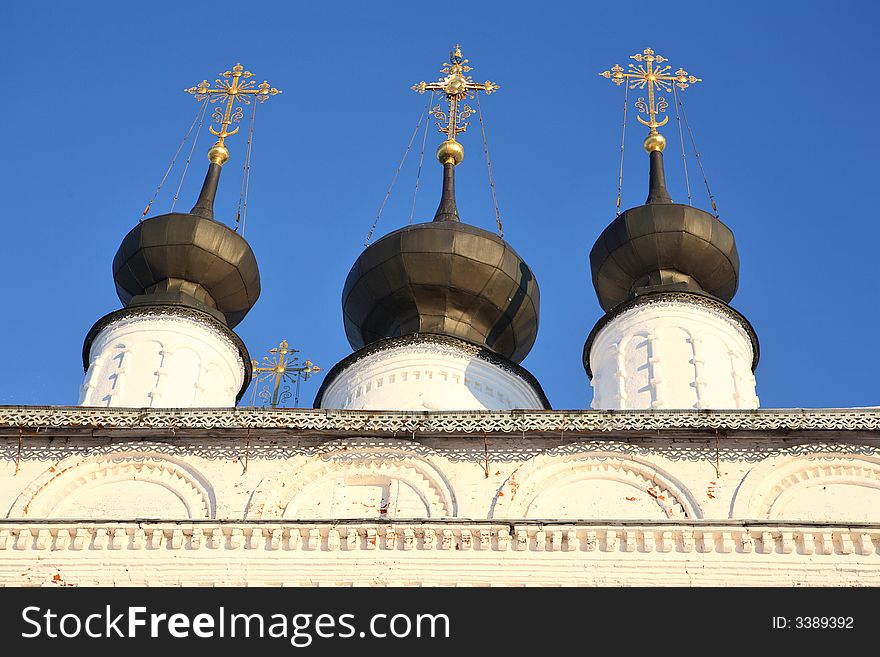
[663, 247]
[443, 277]
[189, 260]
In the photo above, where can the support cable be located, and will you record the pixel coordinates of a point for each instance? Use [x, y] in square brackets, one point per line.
[396, 173]
[687, 181]
[241, 214]
[489, 168]
[697, 154]
[189, 158]
[622, 144]
[171, 165]
[412, 212]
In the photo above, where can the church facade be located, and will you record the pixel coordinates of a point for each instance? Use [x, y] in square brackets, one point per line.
[506, 498]
[431, 456]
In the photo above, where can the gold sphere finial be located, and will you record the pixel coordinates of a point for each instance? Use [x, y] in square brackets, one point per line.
[450, 152]
[218, 154]
[655, 142]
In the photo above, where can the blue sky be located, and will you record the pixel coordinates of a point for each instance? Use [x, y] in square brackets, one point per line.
[784, 121]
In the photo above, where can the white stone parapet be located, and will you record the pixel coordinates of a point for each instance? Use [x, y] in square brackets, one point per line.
[159, 359]
[429, 374]
[469, 553]
[673, 352]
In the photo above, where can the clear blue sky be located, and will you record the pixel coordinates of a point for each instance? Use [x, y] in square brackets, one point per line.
[785, 121]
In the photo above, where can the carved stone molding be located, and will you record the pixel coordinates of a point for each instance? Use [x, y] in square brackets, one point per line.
[766, 487]
[859, 542]
[14, 418]
[543, 475]
[76, 474]
[397, 460]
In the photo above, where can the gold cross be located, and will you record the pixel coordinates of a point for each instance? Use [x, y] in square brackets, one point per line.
[234, 88]
[282, 365]
[456, 86]
[640, 75]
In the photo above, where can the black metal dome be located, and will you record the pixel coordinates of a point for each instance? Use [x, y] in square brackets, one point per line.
[189, 260]
[443, 277]
[663, 247]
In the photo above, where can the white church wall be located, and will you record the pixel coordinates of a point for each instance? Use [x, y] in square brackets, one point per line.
[428, 376]
[760, 477]
[546, 509]
[672, 354]
[161, 360]
[265, 497]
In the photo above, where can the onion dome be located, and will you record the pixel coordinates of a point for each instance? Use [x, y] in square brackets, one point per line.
[663, 247]
[443, 277]
[189, 259]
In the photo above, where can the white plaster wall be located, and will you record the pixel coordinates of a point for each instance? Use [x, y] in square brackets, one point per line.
[672, 355]
[161, 360]
[792, 478]
[549, 510]
[427, 376]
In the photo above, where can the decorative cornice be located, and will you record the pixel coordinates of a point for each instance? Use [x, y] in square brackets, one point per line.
[77, 419]
[456, 538]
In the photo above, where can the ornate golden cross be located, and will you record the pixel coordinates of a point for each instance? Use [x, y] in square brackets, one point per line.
[639, 75]
[456, 86]
[234, 88]
[282, 365]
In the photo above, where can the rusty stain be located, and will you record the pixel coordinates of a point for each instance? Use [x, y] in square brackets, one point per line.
[501, 493]
[631, 499]
[18, 457]
[497, 472]
[514, 486]
[486, 450]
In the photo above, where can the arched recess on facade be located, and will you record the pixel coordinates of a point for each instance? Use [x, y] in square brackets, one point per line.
[118, 485]
[577, 483]
[358, 478]
[826, 486]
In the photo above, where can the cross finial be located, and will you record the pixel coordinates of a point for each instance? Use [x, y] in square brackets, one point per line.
[651, 73]
[280, 366]
[232, 87]
[456, 86]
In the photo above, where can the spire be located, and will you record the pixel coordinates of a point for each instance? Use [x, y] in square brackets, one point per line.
[456, 87]
[204, 207]
[448, 211]
[233, 89]
[657, 180]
